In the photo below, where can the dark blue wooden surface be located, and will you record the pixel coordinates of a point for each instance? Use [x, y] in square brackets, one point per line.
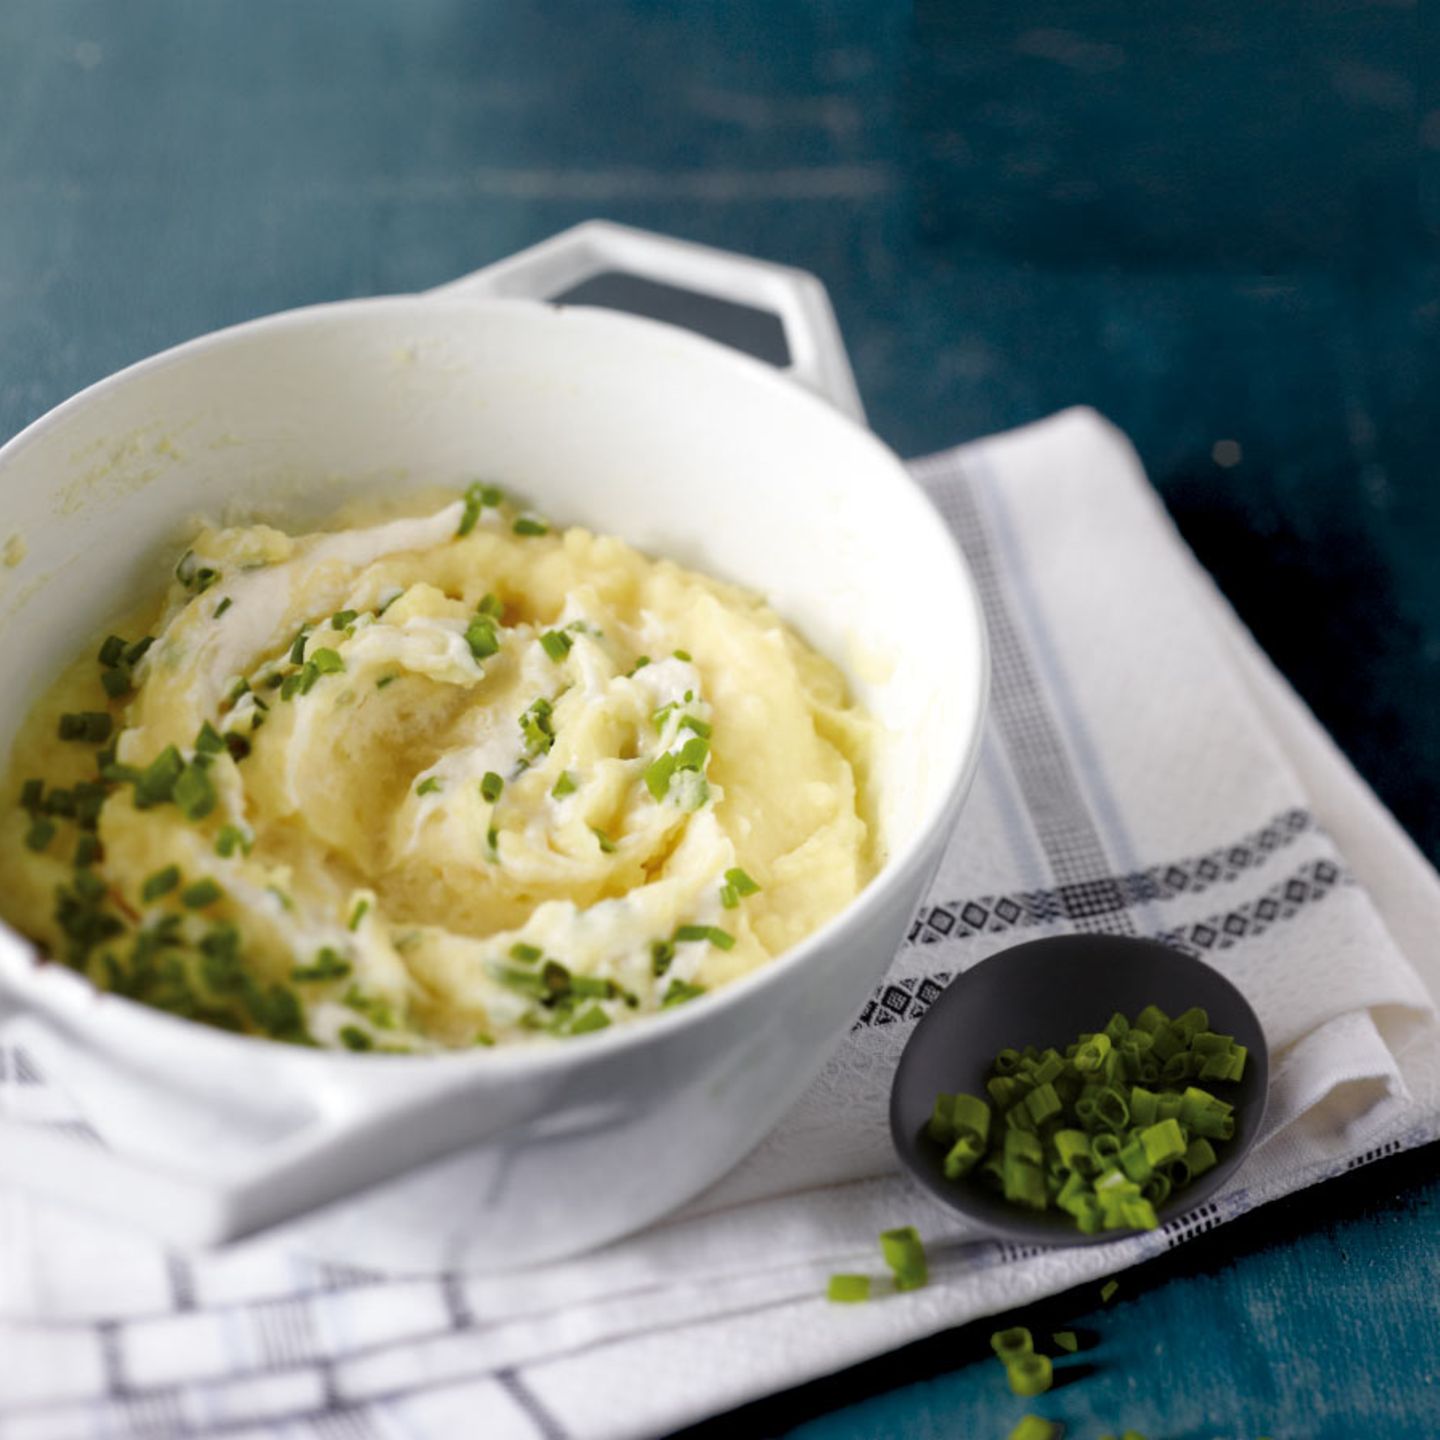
[1217, 222]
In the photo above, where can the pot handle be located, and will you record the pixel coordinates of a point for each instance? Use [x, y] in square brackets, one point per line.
[817, 353]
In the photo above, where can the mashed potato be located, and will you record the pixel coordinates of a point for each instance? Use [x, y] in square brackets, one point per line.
[433, 783]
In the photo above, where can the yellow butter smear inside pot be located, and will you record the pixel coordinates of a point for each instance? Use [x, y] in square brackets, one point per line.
[435, 782]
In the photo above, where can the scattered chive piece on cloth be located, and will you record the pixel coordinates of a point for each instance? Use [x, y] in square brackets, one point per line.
[1030, 1374]
[905, 1255]
[1107, 1291]
[1034, 1427]
[1066, 1340]
[1011, 1344]
[848, 1289]
[1084, 1132]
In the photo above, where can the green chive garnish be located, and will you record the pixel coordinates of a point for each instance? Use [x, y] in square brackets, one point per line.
[1066, 1340]
[700, 727]
[137, 651]
[481, 637]
[1034, 1427]
[428, 786]
[662, 952]
[230, 839]
[327, 662]
[40, 833]
[354, 1038]
[1107, 1291]
[385, 680]
[225, 603]
[679, 992]
[564, 786]
[537, 726]
[156, 784]
[116, 681]
[343, 619]
[491, 786]
[639, 664]
[162, 882]
[525, 954]
[194, 792]
[200, 893]
[92, 726]
[32, 795]
[477, 497]
[209, 741]
[530, 525]
[297, 646]
[1030, 1375]
[556, 644]
[712, 934]
[607, 845]
[87, 849]
[905, 1255]
[328, 965]
[112, 652]
[357, 914]
[593, 1018]
[848, 1289]
[490, 604]
[683, 655]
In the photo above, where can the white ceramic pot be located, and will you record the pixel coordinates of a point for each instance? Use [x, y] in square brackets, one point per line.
[685, 448]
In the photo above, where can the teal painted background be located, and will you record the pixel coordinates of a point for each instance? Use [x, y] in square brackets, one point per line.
[1216, 222]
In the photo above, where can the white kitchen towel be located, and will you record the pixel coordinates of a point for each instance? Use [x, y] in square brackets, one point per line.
[1146, 771]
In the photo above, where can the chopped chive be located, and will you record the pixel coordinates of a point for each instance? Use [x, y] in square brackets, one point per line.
[297, 646]
[343, 619]
[904, 1253]
[700, 727]
[1066, 1340]
[530, 525]
[658, 774]
[683, 655]
[385, 680]
[230, 839]
[491, 786]
[162, 882]
[591, 1019]
[537, 726]
[1010, 1345]
[741, 882]
[328, 965]
[1034, 1427]
[1030, 1375]
[428, 786]
[92, 726]
[679, 992]
[525, 954]
[639, 664]
[477, 497]
[327, 662]
[491, 605]
[354, 1038]
[209, 740]
[564, 786]
[607, 845]
[728, 896]
[194, 792]
[237, 745]
[112, 652]
[116, 681]
[87, 849]
[225, 603]
[713, 934]
[357, 914]
[137, 651]
[662, 952]
[156, 784]
[1107, 1291]
[40, 833]
[481, 637]
[848, 1289]
[556, 644]
[492, 842]
[32, 793]
[200, 893]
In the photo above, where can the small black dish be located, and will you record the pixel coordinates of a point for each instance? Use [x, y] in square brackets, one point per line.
[1045, 993]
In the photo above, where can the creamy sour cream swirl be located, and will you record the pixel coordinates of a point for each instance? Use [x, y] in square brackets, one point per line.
[436, 782]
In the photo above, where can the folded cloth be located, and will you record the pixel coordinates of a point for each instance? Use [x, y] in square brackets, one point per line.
[1146, 771]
